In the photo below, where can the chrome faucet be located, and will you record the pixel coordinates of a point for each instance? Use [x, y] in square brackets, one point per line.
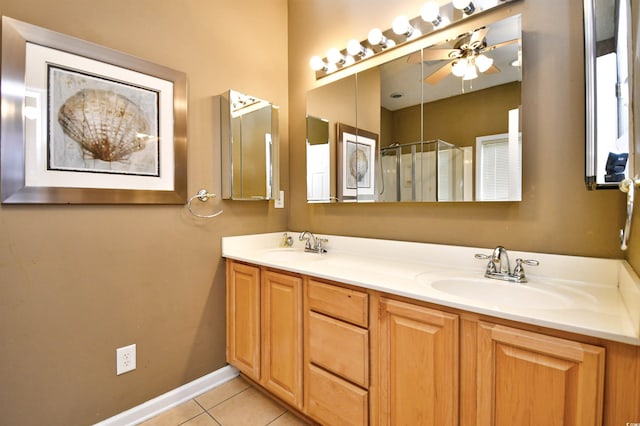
[500, 269]
[314, 244]
[500, 260]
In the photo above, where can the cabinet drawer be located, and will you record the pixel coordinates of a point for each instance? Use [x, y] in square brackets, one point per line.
[333, 401]
[339, 347]
[338, 302]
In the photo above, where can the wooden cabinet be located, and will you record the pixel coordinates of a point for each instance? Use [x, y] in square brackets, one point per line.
[348, 356]
[418, 371]
[527, 378]
[243, 318]
[264, 328]
[336, 354]
[282, 336]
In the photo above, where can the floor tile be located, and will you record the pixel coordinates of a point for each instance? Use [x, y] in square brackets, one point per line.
[176, 415]
[288, 419]
[203, 419]
[221, 393]
[248, 408]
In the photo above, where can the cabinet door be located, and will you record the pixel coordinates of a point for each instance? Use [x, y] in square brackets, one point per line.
[526, 378]
[418, 365]
[282, 336]
[243, 318]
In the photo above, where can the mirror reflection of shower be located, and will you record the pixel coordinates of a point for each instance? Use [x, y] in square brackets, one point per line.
[422, 171]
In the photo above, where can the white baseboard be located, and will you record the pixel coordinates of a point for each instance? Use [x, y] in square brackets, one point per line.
[170, 399]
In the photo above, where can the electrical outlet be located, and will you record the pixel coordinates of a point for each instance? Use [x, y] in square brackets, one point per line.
[125, 359]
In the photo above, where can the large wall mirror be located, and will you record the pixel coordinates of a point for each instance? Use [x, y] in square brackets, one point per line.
[440, 123]
[608, 72]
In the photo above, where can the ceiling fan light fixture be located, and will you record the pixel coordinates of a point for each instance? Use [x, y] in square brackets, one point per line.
[470, 73]
[459, 67]
[483, 62]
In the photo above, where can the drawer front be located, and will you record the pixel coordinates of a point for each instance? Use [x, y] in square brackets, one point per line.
[338, 302]
[339, 347]
[333, 401]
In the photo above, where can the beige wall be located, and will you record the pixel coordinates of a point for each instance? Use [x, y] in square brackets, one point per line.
[557, 214]
[76, 282]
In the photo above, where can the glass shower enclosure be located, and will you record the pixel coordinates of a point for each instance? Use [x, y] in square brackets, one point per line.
[421, 171]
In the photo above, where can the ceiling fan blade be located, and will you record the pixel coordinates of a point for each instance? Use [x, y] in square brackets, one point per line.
[414, 58]
[492, 70]
[499, 45]
[438, 74]
[477, 37]
[433, 55]
[437, 54]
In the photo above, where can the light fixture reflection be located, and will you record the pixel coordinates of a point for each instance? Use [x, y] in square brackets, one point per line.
[470, 72]
[459, 67]
[483, 62]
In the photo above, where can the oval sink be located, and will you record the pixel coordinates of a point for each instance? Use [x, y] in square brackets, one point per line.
[290, 255]
[502, 293]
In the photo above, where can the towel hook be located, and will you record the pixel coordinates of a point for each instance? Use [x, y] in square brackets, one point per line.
[202, 195]
[627, 185]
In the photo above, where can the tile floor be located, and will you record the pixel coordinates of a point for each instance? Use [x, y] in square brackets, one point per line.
[234, 403]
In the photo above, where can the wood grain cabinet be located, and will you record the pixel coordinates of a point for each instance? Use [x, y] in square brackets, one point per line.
[348, 356]
[264, 328]
[243, 318]
[336, 354]
[418, 371]
[526, 378]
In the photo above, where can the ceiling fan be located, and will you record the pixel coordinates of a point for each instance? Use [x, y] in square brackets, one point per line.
[465, 59]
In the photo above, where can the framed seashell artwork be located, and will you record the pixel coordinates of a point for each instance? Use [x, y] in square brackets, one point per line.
[84, 124]
[356, 163]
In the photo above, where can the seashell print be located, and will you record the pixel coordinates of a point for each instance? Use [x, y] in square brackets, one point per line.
[358, 164]
[108, 126]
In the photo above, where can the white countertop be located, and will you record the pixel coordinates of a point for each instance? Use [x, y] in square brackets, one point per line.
[591, 296]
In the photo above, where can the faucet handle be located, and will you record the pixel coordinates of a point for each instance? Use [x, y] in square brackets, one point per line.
[491, 266]
[320, 243]
[518, 271]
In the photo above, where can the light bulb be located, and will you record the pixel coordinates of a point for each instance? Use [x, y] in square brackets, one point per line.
[483, 62]
[354, 48]
[375, 37]
[431, 13]
[334, 56]
[402, 26]
[317, 64]
[466, 6]
[459, 67]
[471, 72]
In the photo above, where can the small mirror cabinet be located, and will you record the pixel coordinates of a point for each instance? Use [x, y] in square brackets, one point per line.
[249, 145]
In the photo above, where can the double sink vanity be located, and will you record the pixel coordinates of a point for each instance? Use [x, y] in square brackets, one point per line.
[391, 332]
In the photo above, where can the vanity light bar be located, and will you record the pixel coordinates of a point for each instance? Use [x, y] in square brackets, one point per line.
[433, 17]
